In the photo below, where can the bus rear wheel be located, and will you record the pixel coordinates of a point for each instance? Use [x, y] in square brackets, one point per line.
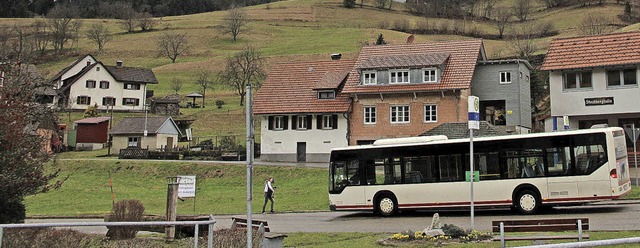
[527, 202]
[387, 205]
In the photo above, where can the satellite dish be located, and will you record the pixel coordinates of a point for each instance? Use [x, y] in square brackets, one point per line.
[410, 39]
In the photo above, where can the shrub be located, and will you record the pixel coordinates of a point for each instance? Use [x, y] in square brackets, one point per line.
[11, 211]
[219, 103]
[401, 25]
[453, 230]
[349, 3]
[383, 24]
[125, 210]
[46, 237]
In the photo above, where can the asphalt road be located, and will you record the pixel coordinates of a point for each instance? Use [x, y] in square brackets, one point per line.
[608, 216]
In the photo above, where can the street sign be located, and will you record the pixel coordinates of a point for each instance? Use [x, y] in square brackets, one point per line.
[474, 112]
[629, 130]
[565, 120]
[186, 186]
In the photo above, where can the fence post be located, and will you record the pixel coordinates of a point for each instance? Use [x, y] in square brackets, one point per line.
[1, 231]
[579, 230]
[502, 234]
[210, 236]
[172, 202]
[195, 236]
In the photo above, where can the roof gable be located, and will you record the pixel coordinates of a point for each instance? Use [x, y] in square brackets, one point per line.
[292, 88]
[66, 69]
[458, 57]
[593, 51]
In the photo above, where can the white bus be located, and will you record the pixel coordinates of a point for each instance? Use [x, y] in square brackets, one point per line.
[520, 171]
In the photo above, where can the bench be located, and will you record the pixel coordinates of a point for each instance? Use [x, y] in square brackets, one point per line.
[544, 225]
[261, 225]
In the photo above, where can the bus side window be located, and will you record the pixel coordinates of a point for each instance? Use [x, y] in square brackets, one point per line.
[557, 161]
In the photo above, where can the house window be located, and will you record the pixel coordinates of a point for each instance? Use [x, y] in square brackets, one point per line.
[133, 142]
[369, 115]
[577, 80]
[398, 76]
[91, 83]
[621, 77]
[131, 86]
[400, 114]
[278, 122]
[104, 84]
[327, 122]
[83, 100]
[430, 113]
[108, 101]
[301, 122]
[368, 77]
[505, 77]
[327, 94]
[430, 75]
[130, 101]
[97, 68]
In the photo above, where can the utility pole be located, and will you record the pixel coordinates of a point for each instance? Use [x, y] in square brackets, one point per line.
[249, 119]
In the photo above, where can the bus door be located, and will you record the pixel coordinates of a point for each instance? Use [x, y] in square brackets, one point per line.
[560, 182]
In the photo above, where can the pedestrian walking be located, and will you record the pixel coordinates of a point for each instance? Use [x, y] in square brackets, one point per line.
[268, 193]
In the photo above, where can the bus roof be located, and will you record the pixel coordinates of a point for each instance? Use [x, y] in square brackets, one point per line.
[437, 141]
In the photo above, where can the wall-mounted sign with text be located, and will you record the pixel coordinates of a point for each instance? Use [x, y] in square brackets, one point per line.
[598, 101]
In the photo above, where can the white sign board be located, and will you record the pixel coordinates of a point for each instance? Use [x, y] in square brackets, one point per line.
[474, 112]
[186, 186]
[565, 120]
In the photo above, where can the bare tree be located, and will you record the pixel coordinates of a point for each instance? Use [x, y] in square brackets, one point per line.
[502, 18]
[203, 81]
[176, 85]
[127, 18]
[522, 9]
[40, 35]
[523, 44]
[22, 45]
[145, 21]
[488, 7]
[100, 35]
[172, 45]
[242, 69]
[5, 36]
[595, 24]
[234, 22]
[62, 26]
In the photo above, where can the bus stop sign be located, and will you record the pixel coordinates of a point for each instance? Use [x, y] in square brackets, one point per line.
[474, 112]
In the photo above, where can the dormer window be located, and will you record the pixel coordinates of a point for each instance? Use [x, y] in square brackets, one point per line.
[368, 77]
[398, 76]
[329, 94]
[430, 75]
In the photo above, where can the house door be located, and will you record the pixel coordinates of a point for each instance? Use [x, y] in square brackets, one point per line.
[169, 143]
[302, 152]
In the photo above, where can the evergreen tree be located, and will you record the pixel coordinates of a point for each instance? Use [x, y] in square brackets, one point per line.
[380, 40]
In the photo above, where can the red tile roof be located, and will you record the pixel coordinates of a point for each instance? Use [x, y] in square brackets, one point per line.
[593, 51]
[459, 67]
[289, 88]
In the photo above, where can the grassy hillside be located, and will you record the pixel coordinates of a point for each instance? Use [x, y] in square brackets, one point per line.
[289, 31]
[221, 189]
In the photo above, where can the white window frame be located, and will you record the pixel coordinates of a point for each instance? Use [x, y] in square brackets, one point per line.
[327, 122]
[133, 142]
[369, 115]
[430, 113]
[395, 78]
[621, 76]
[302, 122]
[129, 101]
[371, 80]
[402, 114]
[103, 83]
[112, 100]
[505, 77]
[432, 76]
[278, 122]
[90, 84]
[579, 80]
[130, 86]
[86, 100]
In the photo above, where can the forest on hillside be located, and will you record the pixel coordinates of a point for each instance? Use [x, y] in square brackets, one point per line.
[114, 8]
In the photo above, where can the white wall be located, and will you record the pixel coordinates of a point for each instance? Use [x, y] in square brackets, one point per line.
[76, 68]
[116, 89]
[318, 141]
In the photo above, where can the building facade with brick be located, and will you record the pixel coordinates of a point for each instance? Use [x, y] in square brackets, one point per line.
[302, 112]
[594, 80]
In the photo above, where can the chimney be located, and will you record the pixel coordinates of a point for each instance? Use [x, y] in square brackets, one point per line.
[336, 56]
[119, 63]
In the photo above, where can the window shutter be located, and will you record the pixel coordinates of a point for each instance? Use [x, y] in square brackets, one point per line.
[294, 122]
[285, 122]
[88, 100]
[319, 121]
[334, 118]
[77, 100]
[270, 122]
[123, 101]
[137, 102]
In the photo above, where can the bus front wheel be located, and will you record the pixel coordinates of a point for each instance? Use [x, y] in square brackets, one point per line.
[387, 205]
[527, 202]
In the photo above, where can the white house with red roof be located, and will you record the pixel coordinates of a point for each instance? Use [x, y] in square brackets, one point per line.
[88, 82]
[303, 114]
[594, 80]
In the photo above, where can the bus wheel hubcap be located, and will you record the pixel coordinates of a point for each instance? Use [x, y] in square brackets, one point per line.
[527, 202]
[386, 205]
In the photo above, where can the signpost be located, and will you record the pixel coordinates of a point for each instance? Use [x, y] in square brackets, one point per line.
[474, 123]
[633, 133]
[565, 121]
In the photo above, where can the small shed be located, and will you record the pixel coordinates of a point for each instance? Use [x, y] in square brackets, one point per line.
[194, 95]
[92, 133]
[167, 105]
[161, 133]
